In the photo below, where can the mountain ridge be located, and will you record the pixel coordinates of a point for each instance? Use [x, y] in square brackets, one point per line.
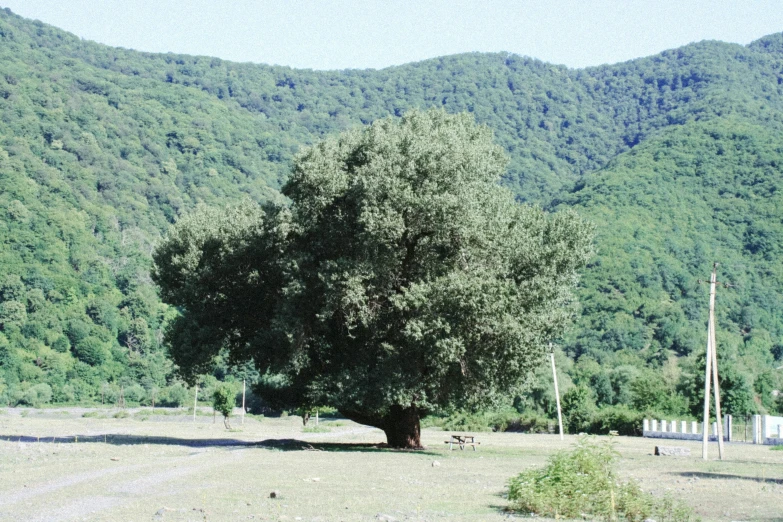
[102, 148]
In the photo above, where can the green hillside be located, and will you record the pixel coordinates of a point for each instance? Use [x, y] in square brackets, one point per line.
[697, 193]
[675, 157]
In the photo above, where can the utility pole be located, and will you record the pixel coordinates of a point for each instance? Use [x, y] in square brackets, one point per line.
[243, 402]
[711, 371]
[557, 394]
[716, 387]
[195, 402]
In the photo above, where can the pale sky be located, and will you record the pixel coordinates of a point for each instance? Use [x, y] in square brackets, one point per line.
[339, 34]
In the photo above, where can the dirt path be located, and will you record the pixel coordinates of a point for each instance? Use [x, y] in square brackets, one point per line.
[106, 492]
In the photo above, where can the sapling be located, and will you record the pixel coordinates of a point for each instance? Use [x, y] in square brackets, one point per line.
[223, 402]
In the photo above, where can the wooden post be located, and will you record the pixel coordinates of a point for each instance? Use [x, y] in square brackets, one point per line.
[557, 394]
[707, 368]
[195, 401]
[316, 416]
[243, 402]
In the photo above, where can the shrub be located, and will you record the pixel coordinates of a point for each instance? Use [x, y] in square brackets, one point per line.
[509, 420]
[122, 414]
[37, 395]
[578, 410]
[527, 423]
[82, 391]
[583, 482]
[621, 419]
[134, 394]
[467, 422]
[175, 395]
[63, 394]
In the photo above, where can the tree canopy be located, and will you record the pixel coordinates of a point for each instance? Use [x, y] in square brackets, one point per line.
[400, 279]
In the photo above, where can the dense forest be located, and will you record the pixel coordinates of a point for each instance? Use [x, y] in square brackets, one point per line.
[676, 158]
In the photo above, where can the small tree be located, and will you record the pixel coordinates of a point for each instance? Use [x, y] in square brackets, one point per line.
[223, 401]
[578, 409]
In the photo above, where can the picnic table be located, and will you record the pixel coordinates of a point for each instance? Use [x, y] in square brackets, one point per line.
[462, 441]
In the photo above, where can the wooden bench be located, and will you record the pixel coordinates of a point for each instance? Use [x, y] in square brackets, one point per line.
[462, 441]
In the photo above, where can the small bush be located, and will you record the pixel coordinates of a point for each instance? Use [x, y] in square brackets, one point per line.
[509, 420]
[526, 423]
[93, 414]
[175, 395]
[37, 395]
[64, 394]
[467, 422]
[122, 414]
[134, 394]
[583, 482]
[160, 411]
[621, 419]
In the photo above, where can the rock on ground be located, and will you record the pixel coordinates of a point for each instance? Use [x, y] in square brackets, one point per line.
[672, 451]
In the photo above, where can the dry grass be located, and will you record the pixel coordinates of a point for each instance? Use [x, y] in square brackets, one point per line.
[169, 468]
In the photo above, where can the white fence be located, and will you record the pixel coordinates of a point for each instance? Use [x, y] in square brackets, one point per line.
[683, 430]
[766, 429]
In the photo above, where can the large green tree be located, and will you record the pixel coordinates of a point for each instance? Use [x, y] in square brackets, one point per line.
[400, 278]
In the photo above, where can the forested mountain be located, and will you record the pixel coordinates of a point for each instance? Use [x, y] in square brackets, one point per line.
[675, 157]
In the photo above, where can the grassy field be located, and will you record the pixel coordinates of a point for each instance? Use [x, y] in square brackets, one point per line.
[61, 465]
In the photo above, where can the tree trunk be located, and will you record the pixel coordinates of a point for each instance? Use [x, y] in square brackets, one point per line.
[402, 428]
[401, 425]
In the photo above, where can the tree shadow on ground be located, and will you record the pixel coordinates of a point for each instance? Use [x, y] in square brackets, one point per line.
[277, 444]
[301, 445]
[731, 476]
